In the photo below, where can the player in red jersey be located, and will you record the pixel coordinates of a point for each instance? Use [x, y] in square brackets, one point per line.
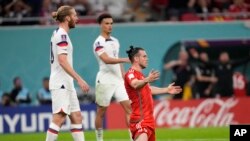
[140, 93]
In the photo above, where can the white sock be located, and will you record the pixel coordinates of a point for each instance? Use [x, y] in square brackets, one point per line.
[130, 135]
[77, 132]
[99, 134]
[52, 132]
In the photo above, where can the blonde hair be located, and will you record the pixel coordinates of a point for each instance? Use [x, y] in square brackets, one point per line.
[61, 13]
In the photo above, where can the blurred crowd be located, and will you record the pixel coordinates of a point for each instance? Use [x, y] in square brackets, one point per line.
[21, 96]
[30, 12]
[201, 77]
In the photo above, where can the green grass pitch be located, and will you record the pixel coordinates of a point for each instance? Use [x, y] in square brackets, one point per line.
[162, 134]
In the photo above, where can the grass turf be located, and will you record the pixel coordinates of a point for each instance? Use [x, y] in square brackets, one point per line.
[162, 134]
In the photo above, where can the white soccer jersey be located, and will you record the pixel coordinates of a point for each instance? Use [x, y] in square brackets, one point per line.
[60, 44]
[108, 73]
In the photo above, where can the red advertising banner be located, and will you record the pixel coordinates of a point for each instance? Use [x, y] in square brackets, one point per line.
[192, 113]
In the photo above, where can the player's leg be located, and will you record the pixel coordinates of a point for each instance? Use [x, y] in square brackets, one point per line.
[122, 97]
[60, 102]
[151, 134]
[127, 108]
[144, 133]
[99, 122]
[104, 93]
[54, 127]
[142, 137]
[76, 118]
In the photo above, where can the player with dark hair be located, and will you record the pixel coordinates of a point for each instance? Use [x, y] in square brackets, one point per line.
[142, 124]
[109, 79]
[64, 98]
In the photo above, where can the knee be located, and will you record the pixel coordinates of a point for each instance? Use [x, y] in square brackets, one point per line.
[78, 117]
[101, 112]
[59, 119]
[128, 109]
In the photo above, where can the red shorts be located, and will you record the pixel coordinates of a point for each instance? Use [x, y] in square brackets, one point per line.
[139, 128]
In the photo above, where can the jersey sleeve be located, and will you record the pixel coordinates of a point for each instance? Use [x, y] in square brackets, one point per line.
[99, 48]
[130, 76]
[62, 44]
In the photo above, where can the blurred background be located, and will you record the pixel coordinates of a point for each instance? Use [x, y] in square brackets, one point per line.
[201, 45]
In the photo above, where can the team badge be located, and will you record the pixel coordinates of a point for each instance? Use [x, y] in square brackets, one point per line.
[64, 37]
[130, 76]
[98, 46]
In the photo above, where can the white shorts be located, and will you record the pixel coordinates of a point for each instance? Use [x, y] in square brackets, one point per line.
[64, 101]
[105, 92]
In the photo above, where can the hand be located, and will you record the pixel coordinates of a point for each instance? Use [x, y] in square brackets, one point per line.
[171, 89]
[83, 85]
[207, 92]
[126, 60]
[213, 79]
[153, 75]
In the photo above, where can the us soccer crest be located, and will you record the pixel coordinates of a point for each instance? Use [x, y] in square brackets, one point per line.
[64, 37]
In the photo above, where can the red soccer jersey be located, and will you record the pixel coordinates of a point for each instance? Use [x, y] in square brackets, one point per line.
[239, 84]
[142, 101]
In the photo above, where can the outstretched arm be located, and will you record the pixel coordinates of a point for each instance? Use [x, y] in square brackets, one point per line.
[137, 84]
[109, 60]
[171, 89]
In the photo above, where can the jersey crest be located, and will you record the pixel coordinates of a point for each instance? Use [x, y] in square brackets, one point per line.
[64, 37]
[98, 46]
[131, 75]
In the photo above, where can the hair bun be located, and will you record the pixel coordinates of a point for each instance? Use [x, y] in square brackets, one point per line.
[130, 50]
[54, 15]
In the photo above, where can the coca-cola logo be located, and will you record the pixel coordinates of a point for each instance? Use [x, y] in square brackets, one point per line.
[210, 112]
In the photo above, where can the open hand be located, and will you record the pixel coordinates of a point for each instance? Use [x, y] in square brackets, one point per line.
[174, 89]
[153, 75]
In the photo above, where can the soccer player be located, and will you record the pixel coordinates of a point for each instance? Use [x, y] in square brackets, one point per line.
[109, 79]
[64, 97]
[140, 93]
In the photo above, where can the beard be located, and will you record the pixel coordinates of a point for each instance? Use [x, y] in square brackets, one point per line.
[71, 24]
[143, 66]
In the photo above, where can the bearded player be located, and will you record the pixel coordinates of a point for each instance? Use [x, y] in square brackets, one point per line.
[140, 92]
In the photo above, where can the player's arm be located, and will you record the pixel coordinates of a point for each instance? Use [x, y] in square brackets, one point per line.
[138, 84]
[62, 59]
[109, 60]
[122, 70]
[62, 51]
[99, 49]
[170, 89]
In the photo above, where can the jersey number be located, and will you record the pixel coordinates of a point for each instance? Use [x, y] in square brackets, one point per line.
[51, 54]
